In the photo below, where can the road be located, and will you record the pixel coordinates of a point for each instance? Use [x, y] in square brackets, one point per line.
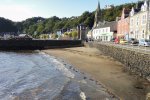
[129, 47]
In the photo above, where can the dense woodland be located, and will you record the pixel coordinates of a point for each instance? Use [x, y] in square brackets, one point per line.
[38, 25]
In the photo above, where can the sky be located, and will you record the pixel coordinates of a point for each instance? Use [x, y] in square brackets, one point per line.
[18, 10]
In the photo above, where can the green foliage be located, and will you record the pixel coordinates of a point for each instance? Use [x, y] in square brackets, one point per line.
[40, 28]
[54, 36]
[44, 36]
[70, 34]
[32, 29]
[65, 33]
[111, 14]
[7, 25]
[74, 34]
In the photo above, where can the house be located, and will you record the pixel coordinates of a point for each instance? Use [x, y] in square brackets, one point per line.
[81, 31]
[23, 37]
[8, 35]
[109, 6]
[59, 32]
[103, 30]
[139, 22]
[123, 27]
[90, 35]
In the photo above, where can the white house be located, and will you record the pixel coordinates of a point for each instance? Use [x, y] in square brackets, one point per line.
[105, 31]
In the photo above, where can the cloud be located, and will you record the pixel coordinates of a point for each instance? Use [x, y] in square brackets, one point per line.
[17, 12]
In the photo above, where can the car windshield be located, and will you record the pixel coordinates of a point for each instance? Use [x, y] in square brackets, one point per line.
[132, 39]
[147, 40]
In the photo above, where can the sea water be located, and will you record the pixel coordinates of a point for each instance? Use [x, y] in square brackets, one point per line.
[38, 76]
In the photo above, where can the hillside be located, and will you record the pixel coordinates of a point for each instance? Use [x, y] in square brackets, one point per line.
[38, 25]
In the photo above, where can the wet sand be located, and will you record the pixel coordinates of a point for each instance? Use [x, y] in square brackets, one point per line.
[105, 70]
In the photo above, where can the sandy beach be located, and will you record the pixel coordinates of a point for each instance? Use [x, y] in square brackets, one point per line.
[105, 70]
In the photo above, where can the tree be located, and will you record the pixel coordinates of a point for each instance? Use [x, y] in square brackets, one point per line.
[70, 34]
[54, 36]
[7, 25]
[50, 25]
[66, 33]
[74, 34]
[32, 29]
[40, 28]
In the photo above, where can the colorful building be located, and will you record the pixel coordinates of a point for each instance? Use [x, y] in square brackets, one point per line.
[139, 22]
[123, 24]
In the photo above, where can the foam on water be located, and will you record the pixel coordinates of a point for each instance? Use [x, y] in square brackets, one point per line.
[22, 72]
[60, 66]
[38, 76]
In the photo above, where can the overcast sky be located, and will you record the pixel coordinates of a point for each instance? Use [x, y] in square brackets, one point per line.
[18, 10]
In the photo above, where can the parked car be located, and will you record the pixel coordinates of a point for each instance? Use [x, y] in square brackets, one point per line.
[144, 42]
[112, 40]
[123, 41]
[90, 39]
[116, 40]
[133, 41]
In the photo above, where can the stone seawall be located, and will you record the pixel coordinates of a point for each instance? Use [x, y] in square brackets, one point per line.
[136, 62]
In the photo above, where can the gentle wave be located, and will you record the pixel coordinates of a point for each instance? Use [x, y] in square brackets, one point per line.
[21, 72]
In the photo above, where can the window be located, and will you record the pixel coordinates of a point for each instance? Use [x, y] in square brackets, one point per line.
[144, 19]
[142, 35]
[100, 30]
[131, 22]
[108, 29]
[106, 38]
[137, 21]
[111, 37]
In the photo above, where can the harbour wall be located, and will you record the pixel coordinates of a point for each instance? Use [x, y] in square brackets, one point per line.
[37, 44]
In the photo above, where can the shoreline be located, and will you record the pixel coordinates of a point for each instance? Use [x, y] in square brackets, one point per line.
[85, 80]
[83, 58]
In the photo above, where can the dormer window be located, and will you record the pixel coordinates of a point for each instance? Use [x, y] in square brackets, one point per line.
[142, 8]
[132, 12]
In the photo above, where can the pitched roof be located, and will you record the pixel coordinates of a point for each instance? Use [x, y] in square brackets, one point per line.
[112, 25]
